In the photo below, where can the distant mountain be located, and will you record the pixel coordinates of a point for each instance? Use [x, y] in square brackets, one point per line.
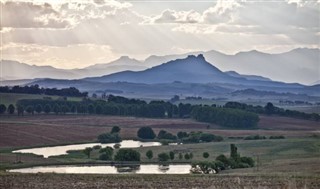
[193, 69]
[249, 77]
[300, 65]
[15, 70]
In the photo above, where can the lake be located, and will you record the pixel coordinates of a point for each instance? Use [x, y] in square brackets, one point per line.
[108, 169]
[62, 149]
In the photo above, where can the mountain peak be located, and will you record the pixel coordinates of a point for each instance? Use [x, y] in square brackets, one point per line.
[200, 57]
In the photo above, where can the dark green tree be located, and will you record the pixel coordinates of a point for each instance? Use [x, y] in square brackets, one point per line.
[87, 151]
[171, 154]
[39, 108]
[163, 157]
[3, 108]
[20, 110]
[91, 109]
[127, 155]
[205, 155]
[149, 154]
[56, 109]
[30, 110]
[115, 129]
[146, 133]
[11, 109]
[269, 108]
[47, 108]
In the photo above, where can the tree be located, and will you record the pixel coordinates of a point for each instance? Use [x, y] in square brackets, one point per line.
[98, 109]
[182, 135]
[30, 110]
[205, 155]
[163, 157]
[11, 109]
[20, 110]
[109, 138]
[91, 109]
[56, 109]
[149, 154]
[269, 108]
[3, 108]
[146, 133]
[47, 109]
[107, 153]
[64, 109]
[39, 108]
[186, 156]
[234, 152]
[115, 129]
[87, 151]
[127, 155]
[180, 156]
[171, 154]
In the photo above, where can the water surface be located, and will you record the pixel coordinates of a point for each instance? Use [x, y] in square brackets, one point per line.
[60, 150]
[108, 169]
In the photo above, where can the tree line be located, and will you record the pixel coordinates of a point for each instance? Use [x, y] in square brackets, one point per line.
[226, 117]
[35, 89]
[270, 109]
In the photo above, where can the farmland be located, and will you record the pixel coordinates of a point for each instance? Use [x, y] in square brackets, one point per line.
[287, 163]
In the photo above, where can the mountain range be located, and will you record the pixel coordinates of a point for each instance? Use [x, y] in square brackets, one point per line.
[189, 76]
[299, 65]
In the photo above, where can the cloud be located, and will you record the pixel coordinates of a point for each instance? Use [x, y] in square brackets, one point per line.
[30, 15]
[172, 16]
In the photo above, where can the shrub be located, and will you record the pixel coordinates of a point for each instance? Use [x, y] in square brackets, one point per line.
[166, 135]
[255, 137]
[186, 156]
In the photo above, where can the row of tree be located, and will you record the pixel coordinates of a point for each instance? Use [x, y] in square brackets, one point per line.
[270, 109]
[227, 117]
[35, 89]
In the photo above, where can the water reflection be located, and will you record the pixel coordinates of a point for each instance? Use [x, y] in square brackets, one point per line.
[108, 169]
[60, 150]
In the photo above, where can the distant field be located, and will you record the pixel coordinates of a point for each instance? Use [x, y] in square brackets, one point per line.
[56, 129]
[12, 98]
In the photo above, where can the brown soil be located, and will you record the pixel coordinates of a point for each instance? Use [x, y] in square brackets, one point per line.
[58, 129]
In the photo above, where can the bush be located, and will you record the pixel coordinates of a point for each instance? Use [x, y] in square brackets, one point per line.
[277, 137]
[166, 135]
[255, 137]
[146, 133]
[163, 157]
[109, 138]
[247, 160]
[97, 147]
[205, 155]
[127, 155]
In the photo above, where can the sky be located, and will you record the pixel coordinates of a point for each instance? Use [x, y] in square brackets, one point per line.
[75, 34]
